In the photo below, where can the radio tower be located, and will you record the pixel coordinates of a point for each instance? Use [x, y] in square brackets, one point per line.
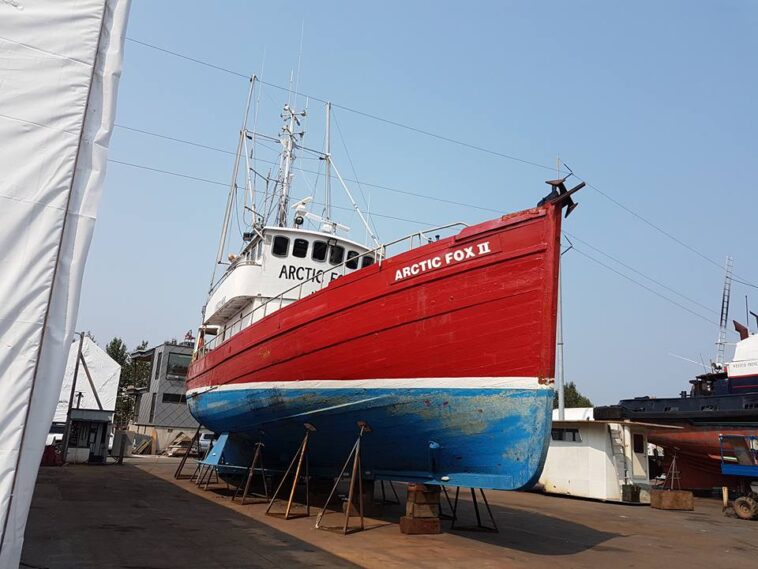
[721, 344]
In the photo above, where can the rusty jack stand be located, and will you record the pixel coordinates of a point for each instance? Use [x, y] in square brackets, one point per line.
[479, 526]
[256, 464]
[355, 455]
[195, 440]
[300, 456]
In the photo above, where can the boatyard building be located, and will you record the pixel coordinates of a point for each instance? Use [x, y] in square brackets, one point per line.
[161, 407]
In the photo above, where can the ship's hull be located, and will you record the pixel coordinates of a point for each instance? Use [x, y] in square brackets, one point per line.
[698, 452]
[446, 351]
[480, 437]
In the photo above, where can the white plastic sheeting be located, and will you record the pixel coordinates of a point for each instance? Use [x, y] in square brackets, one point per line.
[60, 61]
[104, 371]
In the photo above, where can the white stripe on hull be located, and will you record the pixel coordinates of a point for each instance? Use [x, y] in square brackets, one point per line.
[392, 383]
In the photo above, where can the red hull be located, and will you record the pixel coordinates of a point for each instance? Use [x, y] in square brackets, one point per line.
[698, 453]
[491, 314]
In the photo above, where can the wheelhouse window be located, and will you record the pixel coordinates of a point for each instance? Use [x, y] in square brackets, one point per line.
[281, 245]
[336, 254]
[319, 250]
[352, 260]
[367, 260]
[300, 248]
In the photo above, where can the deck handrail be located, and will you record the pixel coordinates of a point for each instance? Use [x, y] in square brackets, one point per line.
[380, 248]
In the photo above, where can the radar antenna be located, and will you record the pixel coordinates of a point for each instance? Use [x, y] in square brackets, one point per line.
[327, 225]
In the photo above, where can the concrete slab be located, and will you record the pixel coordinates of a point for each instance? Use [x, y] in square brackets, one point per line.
[536, 531]
[103, 517]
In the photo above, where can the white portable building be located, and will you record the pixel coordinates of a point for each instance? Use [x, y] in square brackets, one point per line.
[604, 460]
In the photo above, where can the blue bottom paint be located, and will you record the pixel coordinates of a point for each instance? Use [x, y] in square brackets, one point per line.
[483, 438]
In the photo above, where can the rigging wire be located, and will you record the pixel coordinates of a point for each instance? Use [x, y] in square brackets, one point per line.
[429, 224]
[743, 282]
[355, 173]
[638, 272]
[348, 109]
[451, 141]
[378, 186]
[656, 227]
[169, 172]
[226, 185]
[649, 289]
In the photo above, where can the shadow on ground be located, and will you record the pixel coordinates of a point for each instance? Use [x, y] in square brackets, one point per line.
[519, 529]
[130, 519]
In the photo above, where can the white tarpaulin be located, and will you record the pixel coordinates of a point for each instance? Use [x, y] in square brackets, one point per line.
[95, 365]
[60, 61]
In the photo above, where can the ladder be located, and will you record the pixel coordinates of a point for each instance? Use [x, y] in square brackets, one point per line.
[725, 295]
[618, 449]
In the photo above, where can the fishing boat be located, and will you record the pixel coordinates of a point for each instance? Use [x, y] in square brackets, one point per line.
[721, 401]
[443, 341]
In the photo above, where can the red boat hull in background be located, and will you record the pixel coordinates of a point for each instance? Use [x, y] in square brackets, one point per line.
[698, 453]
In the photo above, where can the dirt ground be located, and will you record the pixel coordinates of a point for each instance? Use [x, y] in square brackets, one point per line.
[137, 516]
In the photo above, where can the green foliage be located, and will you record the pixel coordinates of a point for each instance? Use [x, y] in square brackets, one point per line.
[116, 349]
[134, 375]
[572, 397]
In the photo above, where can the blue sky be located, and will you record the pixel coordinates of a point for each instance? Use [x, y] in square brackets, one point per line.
[652, 103]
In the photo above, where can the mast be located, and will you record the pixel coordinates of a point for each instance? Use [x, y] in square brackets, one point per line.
[241, 145]
[328, 167]
[287, 140]
[559, 351]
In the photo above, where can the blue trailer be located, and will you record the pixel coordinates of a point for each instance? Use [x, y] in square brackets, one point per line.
[739, 458]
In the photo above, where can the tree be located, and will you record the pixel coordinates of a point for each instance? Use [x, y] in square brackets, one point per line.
[140, 370]
[572, 397]
[134, 375]
[116, 349]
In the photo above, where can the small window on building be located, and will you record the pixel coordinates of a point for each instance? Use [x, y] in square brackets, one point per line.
[300, 248]
[367, 260]
[152, 408]
[158, 365]
[319, 250]
[281, 245]
[178, 365]
[336, 254]
[566, 435]
[352, 260]
[639, 443]
[174, 398]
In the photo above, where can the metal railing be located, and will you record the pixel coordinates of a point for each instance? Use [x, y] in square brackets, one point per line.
[378, 253]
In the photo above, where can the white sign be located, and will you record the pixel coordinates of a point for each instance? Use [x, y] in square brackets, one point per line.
[742, 368]
[449, 258]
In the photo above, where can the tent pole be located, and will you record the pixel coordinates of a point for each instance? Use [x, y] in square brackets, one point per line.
[67, 431]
